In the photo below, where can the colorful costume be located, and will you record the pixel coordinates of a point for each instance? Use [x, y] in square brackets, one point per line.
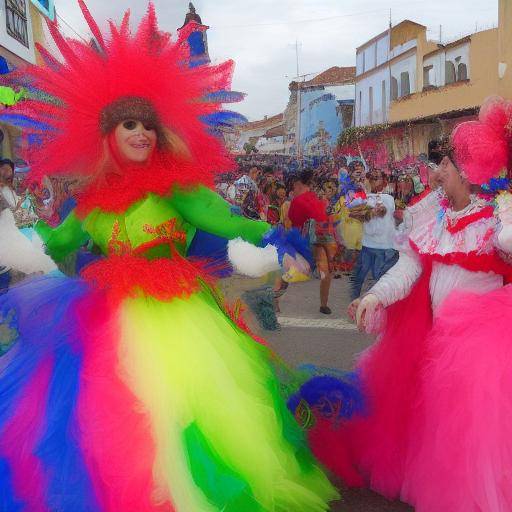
[438, 381]
[135, 389]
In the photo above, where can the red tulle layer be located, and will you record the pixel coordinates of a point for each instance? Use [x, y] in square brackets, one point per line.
[129, 275]
[374, 447]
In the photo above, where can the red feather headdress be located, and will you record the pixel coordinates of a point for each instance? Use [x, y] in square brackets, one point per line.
[76, 91]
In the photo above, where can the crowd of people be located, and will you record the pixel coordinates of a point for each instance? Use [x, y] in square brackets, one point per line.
[349, 213]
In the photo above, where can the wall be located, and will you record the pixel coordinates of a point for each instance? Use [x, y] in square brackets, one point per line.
[372, 55]
[484, 82]
[11, 44]
[505, 48]
[405, 65]
[271, 145]
[362, 111]
[321, 121]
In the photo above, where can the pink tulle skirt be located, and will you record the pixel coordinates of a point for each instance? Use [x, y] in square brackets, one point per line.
[438, 433]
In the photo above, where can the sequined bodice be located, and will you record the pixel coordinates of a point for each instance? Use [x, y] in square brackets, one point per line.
[151, 227]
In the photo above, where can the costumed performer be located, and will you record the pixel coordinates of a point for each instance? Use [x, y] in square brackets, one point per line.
[438, 428]
[133, 388]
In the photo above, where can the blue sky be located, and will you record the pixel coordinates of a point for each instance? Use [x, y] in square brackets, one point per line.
[260, 35]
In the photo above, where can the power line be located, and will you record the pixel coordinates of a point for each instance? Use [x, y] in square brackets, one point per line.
[311, 20]
[71, 28]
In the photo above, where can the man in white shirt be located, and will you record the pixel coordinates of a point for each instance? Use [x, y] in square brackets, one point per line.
[378, 254]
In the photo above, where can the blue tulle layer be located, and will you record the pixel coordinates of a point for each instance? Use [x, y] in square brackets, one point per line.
[43, 315]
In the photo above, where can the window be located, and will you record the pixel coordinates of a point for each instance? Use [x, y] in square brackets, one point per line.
[16, 20]
[405, 84]
[462, 72]
[449, 72]
[426, 76]
[394, 88]
[370, 104]
[383, 100]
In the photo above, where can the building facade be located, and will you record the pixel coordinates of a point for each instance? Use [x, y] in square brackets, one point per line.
[22, 25]
[326, 105]
[263, 136]
[387, 69]
[422, 89]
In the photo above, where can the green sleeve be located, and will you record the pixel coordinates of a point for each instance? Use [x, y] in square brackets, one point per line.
[63, 240]
[206, 210]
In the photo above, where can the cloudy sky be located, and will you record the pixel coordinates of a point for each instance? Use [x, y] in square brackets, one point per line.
[260, 35]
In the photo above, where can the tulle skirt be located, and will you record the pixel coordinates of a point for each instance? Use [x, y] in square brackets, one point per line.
[438, 430]
[143, 405]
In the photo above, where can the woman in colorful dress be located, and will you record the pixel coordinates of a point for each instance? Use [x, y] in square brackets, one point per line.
[133, 388]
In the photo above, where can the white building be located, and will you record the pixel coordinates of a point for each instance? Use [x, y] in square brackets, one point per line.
[386, 70]
[20, 28]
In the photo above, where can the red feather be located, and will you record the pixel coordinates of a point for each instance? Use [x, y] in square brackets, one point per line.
[96, 32]
[147, 65]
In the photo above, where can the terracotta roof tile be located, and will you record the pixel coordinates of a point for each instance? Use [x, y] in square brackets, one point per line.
[333, 76]
[277, 131]
[262, 123]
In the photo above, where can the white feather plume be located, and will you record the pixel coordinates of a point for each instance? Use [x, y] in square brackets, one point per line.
[18, 252]
[252, 261]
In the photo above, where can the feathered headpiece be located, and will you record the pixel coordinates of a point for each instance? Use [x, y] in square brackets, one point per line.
[78, 99]
[482, 149]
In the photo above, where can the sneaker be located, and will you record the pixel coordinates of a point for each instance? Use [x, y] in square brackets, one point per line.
[325, 310]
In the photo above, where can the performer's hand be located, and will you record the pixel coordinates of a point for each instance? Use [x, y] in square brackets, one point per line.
[365, 310]
[352, 309]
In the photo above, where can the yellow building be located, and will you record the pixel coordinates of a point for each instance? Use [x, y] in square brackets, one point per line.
[459, 76]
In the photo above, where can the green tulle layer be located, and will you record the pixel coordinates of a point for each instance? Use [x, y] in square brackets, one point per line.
[225, 439]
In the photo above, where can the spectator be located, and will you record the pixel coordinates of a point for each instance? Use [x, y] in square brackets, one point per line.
[309, 214]
[351, 227]
[284, 206]
[377, 254]
[7, 184]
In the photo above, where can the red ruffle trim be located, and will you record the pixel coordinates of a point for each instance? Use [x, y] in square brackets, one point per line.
[472, 261]
[456, 227]
[129, 275]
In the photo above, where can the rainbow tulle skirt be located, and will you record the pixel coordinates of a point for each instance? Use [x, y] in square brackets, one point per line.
[143, 405]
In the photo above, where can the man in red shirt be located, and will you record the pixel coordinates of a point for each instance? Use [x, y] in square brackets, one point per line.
[307, 211]
[305, 204]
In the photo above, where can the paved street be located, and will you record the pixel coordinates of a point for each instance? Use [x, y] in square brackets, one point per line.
[308, 336]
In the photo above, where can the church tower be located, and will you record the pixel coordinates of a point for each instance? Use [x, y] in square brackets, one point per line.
[198, 39]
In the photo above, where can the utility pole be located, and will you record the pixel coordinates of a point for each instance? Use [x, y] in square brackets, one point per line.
[298, 145]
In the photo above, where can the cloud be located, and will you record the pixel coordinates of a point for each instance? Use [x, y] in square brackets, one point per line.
[260, 34]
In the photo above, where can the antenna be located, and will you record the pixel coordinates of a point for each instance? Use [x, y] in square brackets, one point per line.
[297, 56]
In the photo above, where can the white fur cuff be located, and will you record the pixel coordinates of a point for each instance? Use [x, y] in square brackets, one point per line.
[252, 261]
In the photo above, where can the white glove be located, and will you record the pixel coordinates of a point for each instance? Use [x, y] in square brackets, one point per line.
[504, 202]
[365, 313]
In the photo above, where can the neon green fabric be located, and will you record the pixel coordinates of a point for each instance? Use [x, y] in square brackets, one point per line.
[221, 485]
[207, 211]
[10, 97]
[199, 208]
[64, 239]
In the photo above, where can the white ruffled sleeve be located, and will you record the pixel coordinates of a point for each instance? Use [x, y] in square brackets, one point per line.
[397, 283]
